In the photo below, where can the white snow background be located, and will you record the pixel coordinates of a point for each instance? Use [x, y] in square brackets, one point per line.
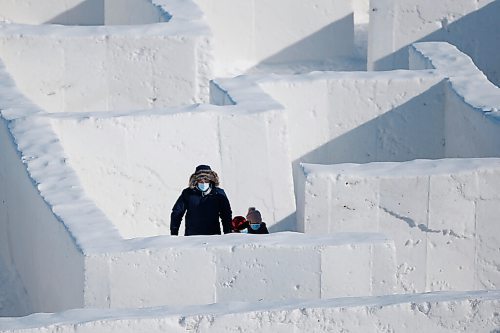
[96, 134]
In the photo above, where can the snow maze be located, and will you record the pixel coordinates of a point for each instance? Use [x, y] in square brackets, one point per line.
[379, 187]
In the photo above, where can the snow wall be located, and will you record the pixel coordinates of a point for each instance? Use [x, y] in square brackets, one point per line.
[137, 188]
[228, 265]
[33, 243]
[101, 68]
[446, 229]
[469, 24]
[386, 116]
[83, 262]
[68, 82]
[46, 220]
[81, 12]
[97, 266]
[355, 117]
[130, 67]
[205, 270]
[433, 312]
[404, 116]
[472, 107]
[135, 191]
[451, 210]
[362, 117]
[258, 32]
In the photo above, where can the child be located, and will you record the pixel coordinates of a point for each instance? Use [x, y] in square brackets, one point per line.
[256, 226]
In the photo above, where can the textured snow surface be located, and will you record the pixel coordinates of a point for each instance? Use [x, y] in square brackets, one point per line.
[439, 312]
[13, 298]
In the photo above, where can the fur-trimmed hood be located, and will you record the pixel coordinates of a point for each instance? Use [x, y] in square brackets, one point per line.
[206, 175]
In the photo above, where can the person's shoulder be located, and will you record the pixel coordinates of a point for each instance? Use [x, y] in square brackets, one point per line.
[219, 191]
[187, 191]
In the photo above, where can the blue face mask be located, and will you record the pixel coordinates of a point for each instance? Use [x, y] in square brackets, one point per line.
[255, 226]
[203, 186]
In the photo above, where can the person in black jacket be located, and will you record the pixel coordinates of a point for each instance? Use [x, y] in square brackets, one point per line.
[204, 203]
[256, 226]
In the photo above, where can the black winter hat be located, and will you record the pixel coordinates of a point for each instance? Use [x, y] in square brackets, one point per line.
[202, 167]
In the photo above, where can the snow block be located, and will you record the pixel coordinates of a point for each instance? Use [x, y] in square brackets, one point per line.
[169, 276]
[487, 241]
[239, 267]
[122, 68]
[435, 211]
[367, 270]
[255, 273]
[402, 212]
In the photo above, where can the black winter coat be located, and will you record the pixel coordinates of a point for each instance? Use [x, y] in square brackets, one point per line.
[203, 212]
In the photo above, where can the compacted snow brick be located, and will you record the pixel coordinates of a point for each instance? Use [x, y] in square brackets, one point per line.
[442, 228]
